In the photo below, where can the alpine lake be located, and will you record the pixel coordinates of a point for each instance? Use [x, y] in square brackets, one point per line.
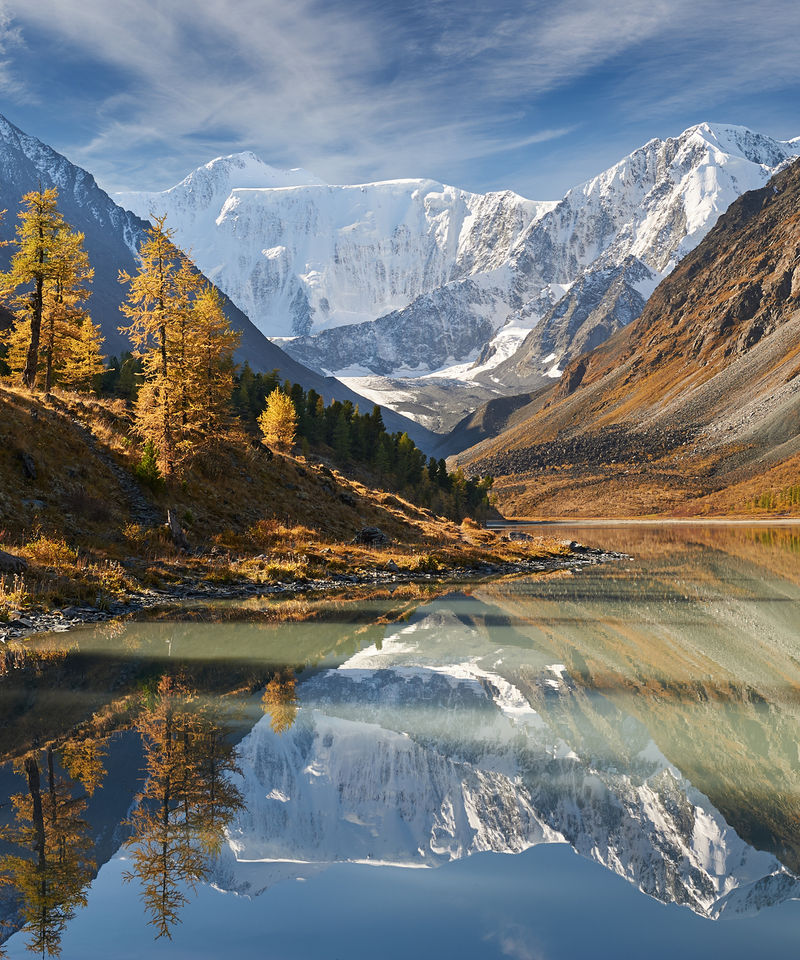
[598, 762]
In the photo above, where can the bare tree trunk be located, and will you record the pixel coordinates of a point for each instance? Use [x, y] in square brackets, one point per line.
[32, 357]
[34, 786]
[48, 379]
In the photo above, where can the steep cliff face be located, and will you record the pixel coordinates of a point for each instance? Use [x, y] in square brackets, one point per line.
[714, 357]
[304, 258]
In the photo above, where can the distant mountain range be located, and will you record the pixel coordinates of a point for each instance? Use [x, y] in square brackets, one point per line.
[435, 298]
[431, 300]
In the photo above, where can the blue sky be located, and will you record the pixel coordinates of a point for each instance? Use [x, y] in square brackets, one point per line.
[532, 96]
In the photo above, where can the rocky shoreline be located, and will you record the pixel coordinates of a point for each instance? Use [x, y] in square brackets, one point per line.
[29, 623]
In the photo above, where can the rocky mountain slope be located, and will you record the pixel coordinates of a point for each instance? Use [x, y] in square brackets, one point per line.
[396, 281]
[701, 393]
[113, 236]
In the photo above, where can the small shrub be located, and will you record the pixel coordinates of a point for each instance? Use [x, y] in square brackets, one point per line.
[50, 552]
[263, 532]
[147, 470]
[13, 594]
[426, 563]
[133, 533]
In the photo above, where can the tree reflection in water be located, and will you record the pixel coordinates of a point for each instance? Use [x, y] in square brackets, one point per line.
[187, 801]
[51, 866]
[279, 701]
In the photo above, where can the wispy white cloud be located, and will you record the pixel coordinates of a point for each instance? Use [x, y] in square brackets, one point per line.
[515, 942]
[11, 84]
[362, 89]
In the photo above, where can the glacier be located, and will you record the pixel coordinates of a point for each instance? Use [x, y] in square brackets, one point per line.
[300, 258]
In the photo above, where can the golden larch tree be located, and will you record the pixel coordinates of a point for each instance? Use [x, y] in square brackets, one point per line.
[47, 287]
[209, 372]
[278, 420]
[84, 361]
[63, 311]
[33, 266]
[186, 345]
[151, 308]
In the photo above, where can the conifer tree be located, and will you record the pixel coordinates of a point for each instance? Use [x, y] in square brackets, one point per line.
[341, 435]
[64, 314]
[32, 266]
[150, 308]
[47, 286]
[17, 340]
[208, 369]
[84, 362]
[186, 348]
[278, 421]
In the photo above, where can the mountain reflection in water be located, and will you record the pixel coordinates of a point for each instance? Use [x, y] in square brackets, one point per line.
[644, 713]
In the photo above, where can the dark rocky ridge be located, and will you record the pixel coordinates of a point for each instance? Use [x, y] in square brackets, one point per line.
[609, 445]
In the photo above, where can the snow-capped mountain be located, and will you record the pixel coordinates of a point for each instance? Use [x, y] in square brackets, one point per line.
[304, 257]
[411, 756]
[428, 278]
[655, 206]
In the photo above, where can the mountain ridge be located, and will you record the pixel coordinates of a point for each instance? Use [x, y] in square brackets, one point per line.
[705, 380]
[369, 279]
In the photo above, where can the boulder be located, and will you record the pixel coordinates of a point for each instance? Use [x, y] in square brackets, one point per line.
[176, 531]
[28, 465]
[11, 564]
[371, 537]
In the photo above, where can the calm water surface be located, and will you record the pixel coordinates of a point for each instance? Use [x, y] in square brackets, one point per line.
[603, 762]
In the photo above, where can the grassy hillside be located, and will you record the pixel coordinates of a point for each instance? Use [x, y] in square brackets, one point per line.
[71, 507]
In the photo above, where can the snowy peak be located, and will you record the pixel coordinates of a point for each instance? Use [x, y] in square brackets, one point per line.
[305, 257]
[429, 278]
[249, 170]
[201, 194]
[740, 141]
